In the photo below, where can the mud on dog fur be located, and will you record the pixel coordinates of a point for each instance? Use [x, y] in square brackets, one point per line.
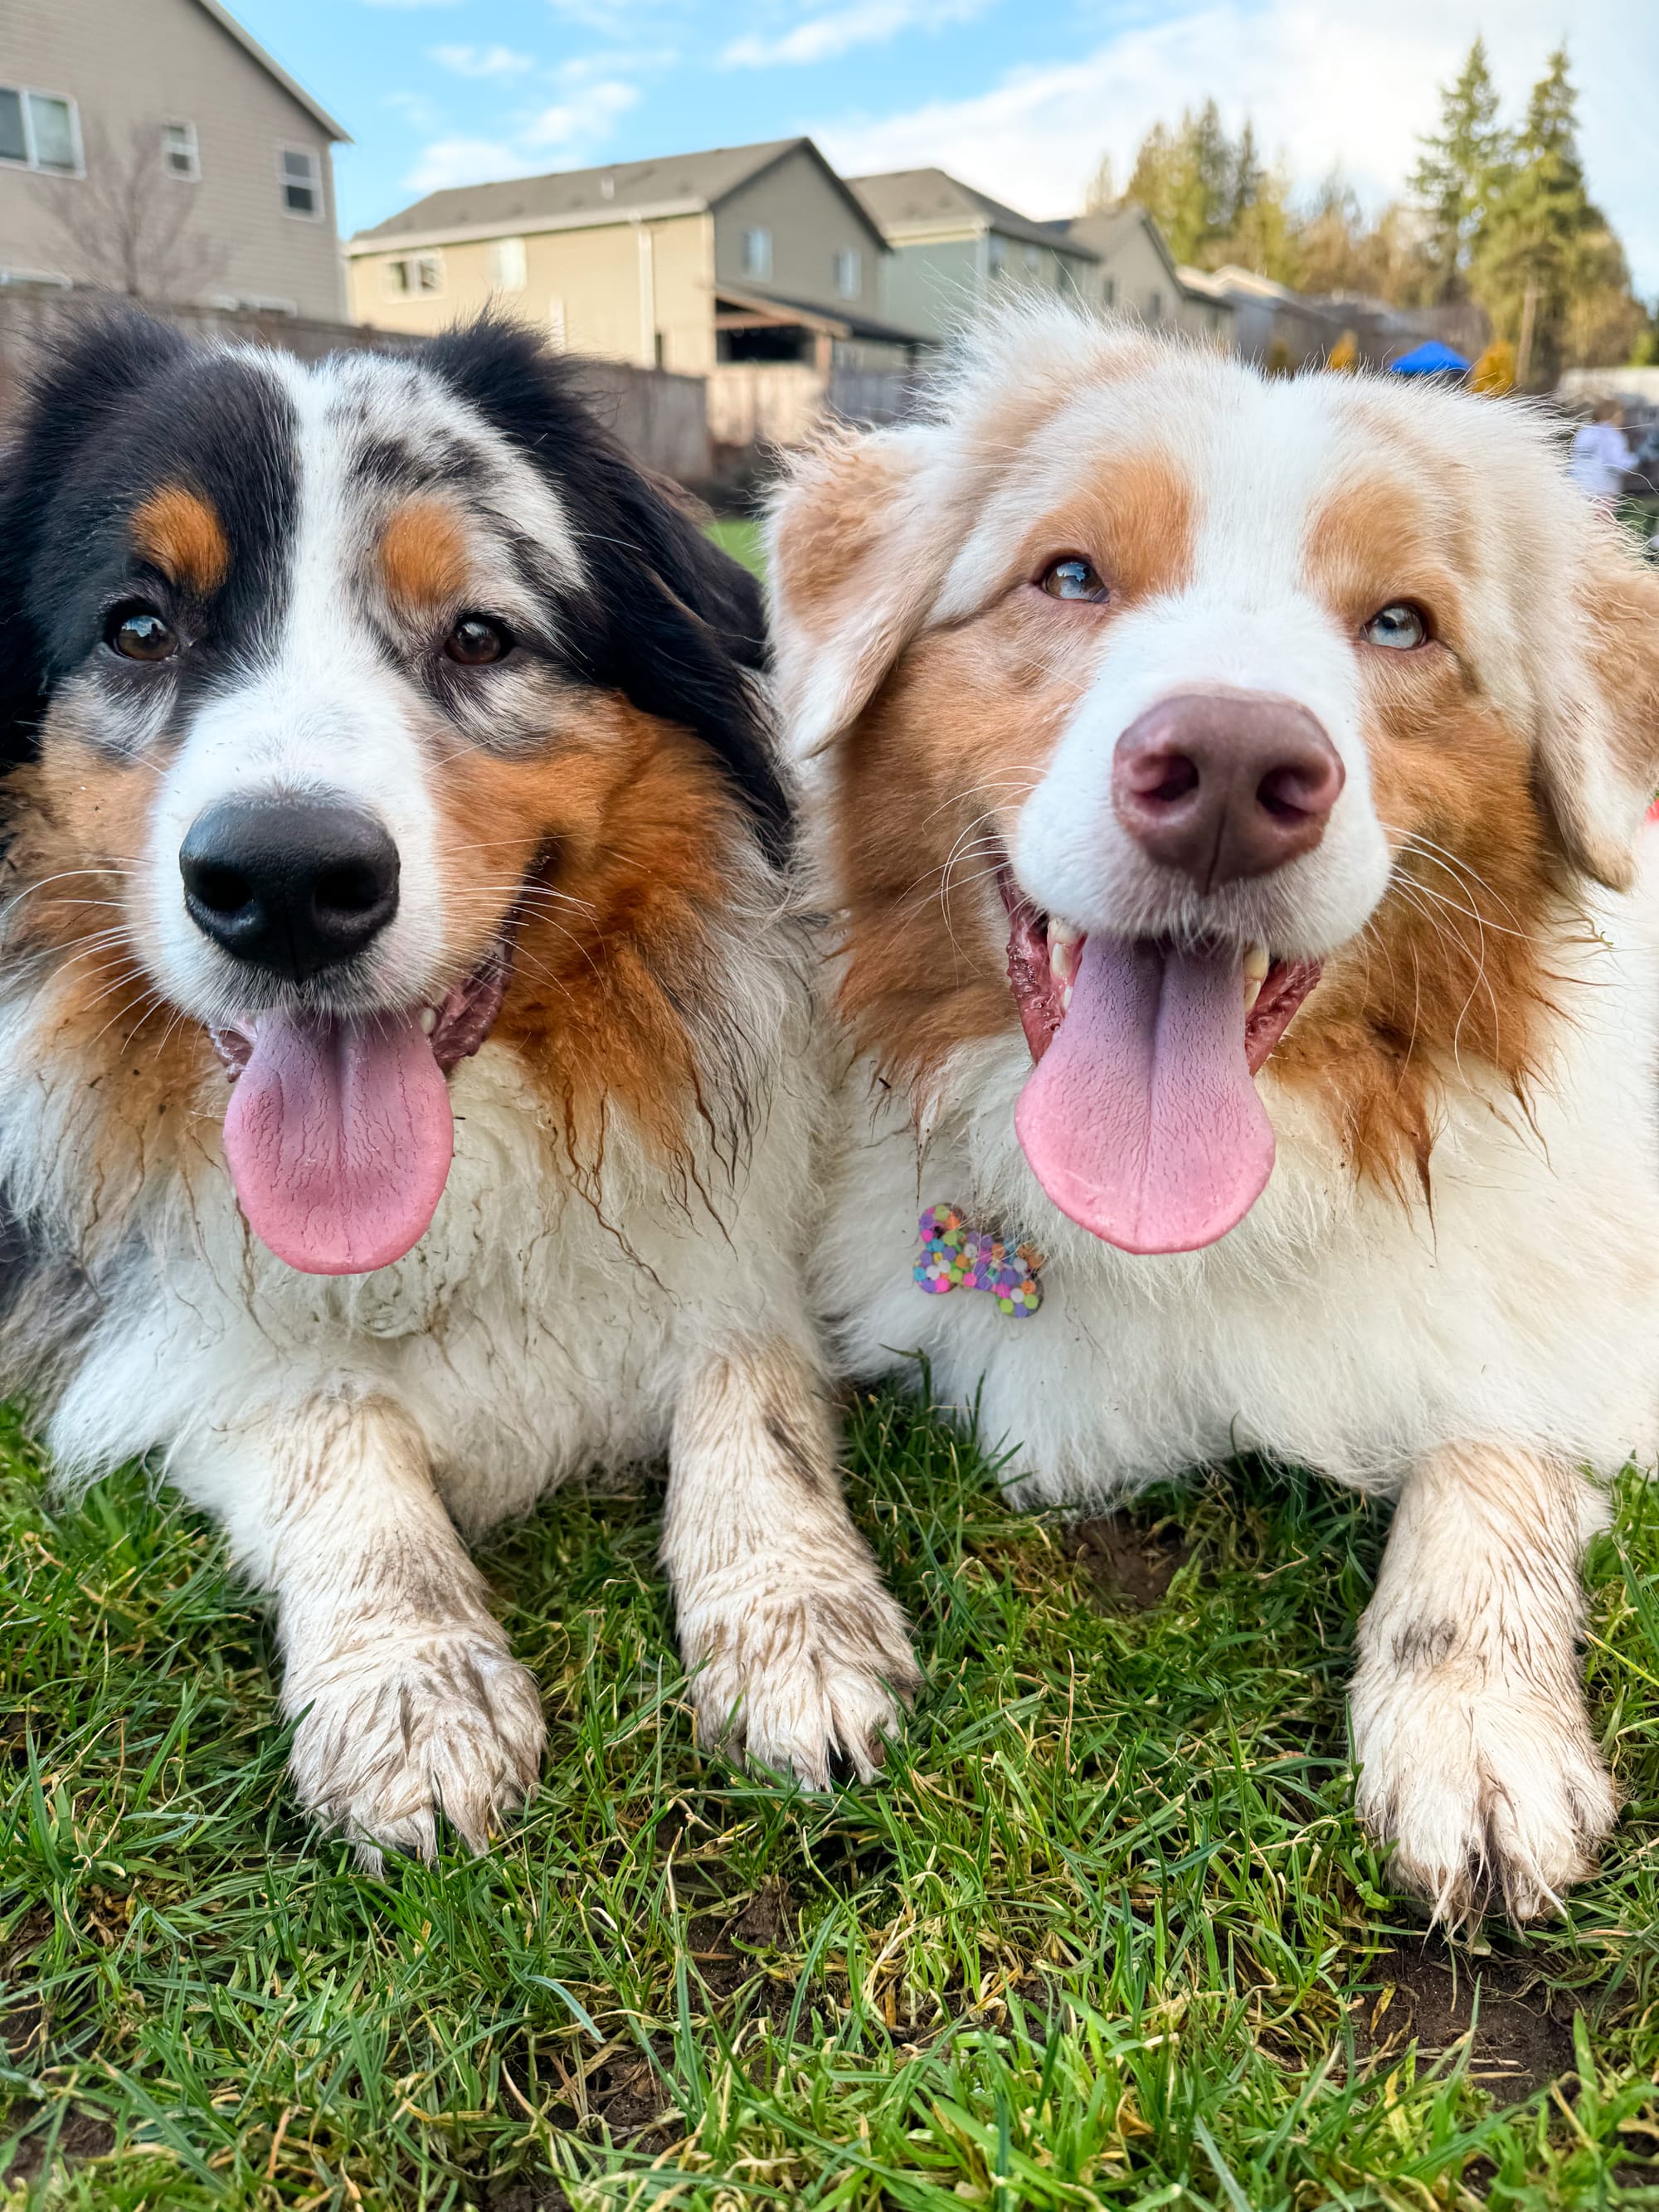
[404, 1097]
[1231, 791]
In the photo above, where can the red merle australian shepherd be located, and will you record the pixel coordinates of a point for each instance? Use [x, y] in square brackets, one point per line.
[1231, 790]
[403, 1097]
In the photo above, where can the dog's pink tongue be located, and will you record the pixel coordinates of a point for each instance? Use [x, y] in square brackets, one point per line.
[1141, 1120]
[338, 1137]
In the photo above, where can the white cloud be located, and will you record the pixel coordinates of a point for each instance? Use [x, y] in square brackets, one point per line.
[466, 161]
[1328, 81]
[865, 23]
[584, 121]
[481, 61]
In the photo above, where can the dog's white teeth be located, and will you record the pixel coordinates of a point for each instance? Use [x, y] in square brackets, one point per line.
[1257, 963]
[1066, 1000]
[1252, 992]
[1065, 950]
[428, 1020]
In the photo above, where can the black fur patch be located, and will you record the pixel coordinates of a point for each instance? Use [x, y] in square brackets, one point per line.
[125, 406]
[670, 621]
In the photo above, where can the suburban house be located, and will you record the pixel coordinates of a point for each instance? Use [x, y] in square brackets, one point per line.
[954, 249]
[1138, 275]
[745, 254]
[152, 147]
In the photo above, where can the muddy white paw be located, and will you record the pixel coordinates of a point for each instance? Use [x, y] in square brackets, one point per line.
[808, 1684]
[399, 1729]
[1489, 1796]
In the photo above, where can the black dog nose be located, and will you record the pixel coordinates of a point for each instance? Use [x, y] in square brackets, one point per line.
[294, 886]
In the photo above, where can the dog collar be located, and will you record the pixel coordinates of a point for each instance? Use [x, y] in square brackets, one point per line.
[955, 1257]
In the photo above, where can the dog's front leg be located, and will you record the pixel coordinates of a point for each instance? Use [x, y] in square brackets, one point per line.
[797, 1652]
[1469, 1721]
[407, 1698]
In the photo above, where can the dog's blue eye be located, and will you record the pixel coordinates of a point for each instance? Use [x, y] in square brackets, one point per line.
[1398, 625]
[1074, 578]
[139, 632]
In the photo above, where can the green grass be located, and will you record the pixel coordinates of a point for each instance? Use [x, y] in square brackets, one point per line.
[1106, 1935]
[740, 536]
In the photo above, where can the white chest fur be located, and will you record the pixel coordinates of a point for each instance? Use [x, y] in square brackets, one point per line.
[1334, 1327]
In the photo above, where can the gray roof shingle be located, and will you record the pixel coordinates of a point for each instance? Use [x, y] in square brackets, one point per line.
[918, 199]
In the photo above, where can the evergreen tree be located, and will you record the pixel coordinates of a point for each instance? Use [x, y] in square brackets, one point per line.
[1463, 167]
[1547, 268]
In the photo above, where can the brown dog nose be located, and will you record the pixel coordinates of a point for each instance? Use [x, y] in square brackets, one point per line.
[1225, 783]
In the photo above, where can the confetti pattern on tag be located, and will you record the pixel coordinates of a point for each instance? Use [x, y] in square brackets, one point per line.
[955, 1257]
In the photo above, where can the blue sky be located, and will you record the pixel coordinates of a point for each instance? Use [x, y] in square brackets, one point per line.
[1021, 99]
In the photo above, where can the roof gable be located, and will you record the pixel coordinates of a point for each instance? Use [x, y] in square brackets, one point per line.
[914, 200]
[671, 183]
[250, 46]
[1105, 232]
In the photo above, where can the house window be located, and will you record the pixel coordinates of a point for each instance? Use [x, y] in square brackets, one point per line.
[850, 273]
[508, 272]
[303, 182]
[1108, 291]
[414, 275]
[1155, 307]
[181, 155]
[1033, 260]
[996, 253]
[758, 253]
[39, 130]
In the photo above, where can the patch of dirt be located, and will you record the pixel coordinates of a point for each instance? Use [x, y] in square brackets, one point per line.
[23, 2025]
[724, 1949]
[1129, 1562]
[82, 2137]
[523, 2196]
[1425, 1993]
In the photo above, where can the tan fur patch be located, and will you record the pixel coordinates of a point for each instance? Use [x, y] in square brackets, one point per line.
[619, 842]
[181, 532]
[423, 558]
[1454, 970]
[1136, 523]
[77, 825]
[933, 776]
[935, 772]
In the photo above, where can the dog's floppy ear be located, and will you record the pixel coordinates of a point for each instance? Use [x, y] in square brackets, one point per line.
[858, 548]
[1598, 755]
[72, 395]
[667, 619]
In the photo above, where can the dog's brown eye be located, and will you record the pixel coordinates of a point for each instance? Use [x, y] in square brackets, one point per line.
[1074, 578]
[139, 632]
[477, 640]
[1399, 625]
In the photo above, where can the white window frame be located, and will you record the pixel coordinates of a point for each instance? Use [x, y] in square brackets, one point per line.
[284, 181]
[758, 252]
[27, 93]
[191, 147]
[430, 260]
[849, 263]
[503, 278]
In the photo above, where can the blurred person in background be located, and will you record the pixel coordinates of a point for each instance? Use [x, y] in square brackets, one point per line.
[1600, 458]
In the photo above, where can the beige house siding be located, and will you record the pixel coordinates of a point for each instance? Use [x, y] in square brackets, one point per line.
[1135, 280]
[132, 66]
[810, 222]
[611, 290]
